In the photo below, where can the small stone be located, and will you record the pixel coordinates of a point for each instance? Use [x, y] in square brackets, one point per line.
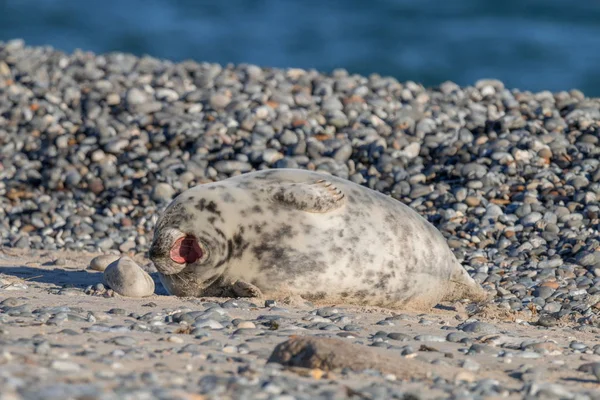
[60, 262]
[412, 150]
[162, 193]
[352, 328]
[113, 99]
[230, 349]
[543, 348]
[123, 341]
[547, 321]
[166, 94]
[327, 311]
[105, 243]
[69, 332]
[456, 337]
[208, 323]
[543, 292]
[100, 263]
[219, 101]
[270, 303]
[22, 243]
[470, 365]
[246, 325]
[465, 376]
[429, 338]
[472, 201]
[230, 166]
[271, 156]
[578, 346]
[479, 327]
[136, 96]
[175, 339]
[65, 366]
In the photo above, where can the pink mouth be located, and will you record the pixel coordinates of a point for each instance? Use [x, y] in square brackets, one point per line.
[186, 250]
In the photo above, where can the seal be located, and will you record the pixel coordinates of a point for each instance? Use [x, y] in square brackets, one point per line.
[291, 232]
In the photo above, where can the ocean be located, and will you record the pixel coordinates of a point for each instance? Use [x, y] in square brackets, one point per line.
[528, 44]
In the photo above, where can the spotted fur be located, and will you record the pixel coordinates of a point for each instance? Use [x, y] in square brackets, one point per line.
[309, 234]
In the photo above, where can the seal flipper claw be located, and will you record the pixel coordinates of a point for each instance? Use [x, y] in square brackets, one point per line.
[316, 197]
[245, 289]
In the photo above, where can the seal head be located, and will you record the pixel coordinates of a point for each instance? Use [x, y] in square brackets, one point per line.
[180, 251]
[175, 250]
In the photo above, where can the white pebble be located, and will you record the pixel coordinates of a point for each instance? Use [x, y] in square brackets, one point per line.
[65, 366]
[175, 339]
[230, 349]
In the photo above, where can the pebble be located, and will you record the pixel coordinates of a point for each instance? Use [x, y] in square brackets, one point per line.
[470, 365]
[126, 278]
[65, 366]
[429, 338]
[175, 339]
[479, 327]
[456, 337]
[162, 193]
[100, 263]
[402, 337]
[136, 96]
[246, 325]
[123, 341]
[208, 323]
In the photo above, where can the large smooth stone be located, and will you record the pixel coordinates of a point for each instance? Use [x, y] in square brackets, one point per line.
[126, 278]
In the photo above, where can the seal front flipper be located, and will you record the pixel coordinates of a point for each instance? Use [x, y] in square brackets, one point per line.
[245, 289]
[316, 197]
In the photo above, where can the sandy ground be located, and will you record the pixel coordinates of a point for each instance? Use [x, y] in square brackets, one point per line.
[34, 275]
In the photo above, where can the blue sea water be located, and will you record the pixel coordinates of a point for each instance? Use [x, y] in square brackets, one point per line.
[528, 44]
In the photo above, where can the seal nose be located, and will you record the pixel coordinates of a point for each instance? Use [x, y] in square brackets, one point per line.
[185, 250]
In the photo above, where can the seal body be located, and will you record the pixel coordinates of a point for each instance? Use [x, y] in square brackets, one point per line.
[297, 232]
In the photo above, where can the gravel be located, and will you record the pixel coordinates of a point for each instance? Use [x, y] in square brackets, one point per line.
[146, 350]
[94, 146]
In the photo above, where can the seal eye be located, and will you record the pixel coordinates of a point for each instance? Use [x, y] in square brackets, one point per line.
[186, 250]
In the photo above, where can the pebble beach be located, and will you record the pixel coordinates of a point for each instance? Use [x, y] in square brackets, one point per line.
[94, 146]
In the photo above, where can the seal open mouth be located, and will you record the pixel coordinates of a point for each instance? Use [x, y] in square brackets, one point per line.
[185, 250]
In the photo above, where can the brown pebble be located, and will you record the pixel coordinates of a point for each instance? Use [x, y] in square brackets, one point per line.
[96, 186]
[551, 284]
[472, 201]
[545, 153]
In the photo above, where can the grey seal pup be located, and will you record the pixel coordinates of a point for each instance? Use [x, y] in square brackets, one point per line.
[290, 232]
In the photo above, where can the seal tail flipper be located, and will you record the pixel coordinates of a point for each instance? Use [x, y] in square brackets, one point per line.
[462, 286]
